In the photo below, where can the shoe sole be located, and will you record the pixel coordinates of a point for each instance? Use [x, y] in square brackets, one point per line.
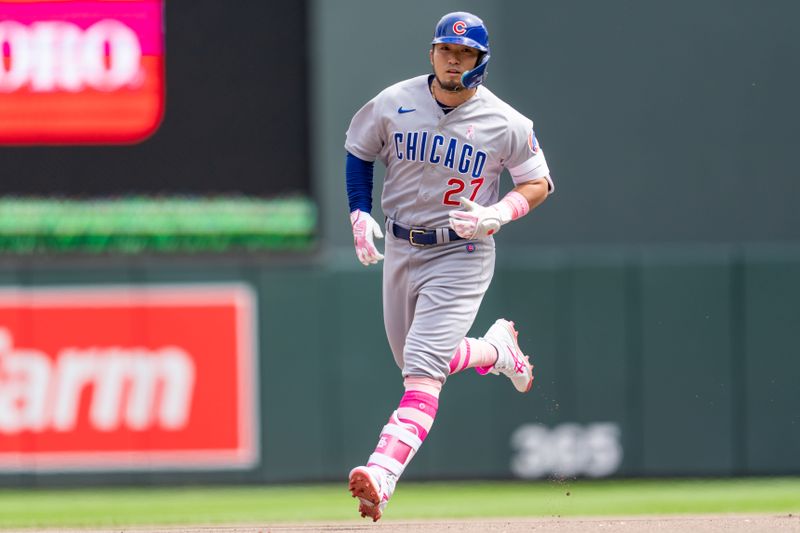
[513, 332]
[362, 487]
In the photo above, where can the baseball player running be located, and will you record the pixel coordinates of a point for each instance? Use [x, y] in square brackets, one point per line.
[444, 139]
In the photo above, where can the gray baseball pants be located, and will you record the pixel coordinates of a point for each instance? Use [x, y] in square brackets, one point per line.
[431, 296]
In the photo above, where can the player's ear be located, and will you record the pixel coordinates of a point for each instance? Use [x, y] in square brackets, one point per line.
[430, 54]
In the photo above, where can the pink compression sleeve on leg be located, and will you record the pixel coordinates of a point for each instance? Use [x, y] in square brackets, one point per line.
[473, 353]
[416, 414]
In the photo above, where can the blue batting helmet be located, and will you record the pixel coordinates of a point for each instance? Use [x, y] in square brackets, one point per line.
[465, 29]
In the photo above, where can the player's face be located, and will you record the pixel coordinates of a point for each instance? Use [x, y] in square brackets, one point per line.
[450, 61]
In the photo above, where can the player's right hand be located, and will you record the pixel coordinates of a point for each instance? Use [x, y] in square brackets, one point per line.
[365, 230]
[475, 221]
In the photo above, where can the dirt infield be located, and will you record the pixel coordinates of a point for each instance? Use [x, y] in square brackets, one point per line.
[632, 524]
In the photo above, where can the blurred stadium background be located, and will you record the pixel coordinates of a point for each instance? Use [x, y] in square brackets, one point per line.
[178, 291]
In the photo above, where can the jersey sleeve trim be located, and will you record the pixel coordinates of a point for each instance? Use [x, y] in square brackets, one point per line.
[533, 169]
[362, 155]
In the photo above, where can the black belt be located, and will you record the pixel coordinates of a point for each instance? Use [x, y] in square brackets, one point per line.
[424, 236]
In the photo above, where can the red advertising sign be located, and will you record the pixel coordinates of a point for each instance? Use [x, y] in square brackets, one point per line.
[75, 72]
[127, 378]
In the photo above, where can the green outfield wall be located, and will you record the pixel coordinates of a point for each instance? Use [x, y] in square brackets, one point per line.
[648, 362]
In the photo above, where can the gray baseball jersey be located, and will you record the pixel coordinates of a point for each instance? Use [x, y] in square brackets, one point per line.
[432, 158]
[432, 294]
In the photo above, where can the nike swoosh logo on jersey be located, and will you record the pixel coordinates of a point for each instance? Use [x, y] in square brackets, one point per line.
[401, 110]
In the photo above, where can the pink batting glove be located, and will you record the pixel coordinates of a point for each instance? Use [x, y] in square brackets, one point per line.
[477, 222]
[365, 229]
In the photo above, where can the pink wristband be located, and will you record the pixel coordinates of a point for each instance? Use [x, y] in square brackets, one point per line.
[517, 204]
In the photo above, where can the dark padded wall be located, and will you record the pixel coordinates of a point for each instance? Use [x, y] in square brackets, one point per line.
[235, 118]
[662, 122]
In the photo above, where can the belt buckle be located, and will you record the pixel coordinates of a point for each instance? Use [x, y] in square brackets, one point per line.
[411, 236]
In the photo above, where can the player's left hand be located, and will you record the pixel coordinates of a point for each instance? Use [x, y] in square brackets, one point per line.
[475, 221]
[365, 230]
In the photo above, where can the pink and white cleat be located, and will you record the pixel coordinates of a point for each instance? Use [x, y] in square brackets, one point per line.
[373, 486]
[511, 362]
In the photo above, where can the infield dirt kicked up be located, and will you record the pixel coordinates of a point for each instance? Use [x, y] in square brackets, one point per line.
[706, 523]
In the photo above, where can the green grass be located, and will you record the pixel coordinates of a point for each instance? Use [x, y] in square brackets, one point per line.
[271, 504]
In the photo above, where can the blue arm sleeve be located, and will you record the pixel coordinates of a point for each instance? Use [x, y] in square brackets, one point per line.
[359, 183]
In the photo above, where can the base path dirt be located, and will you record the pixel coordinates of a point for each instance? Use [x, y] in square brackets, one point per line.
[632, 524]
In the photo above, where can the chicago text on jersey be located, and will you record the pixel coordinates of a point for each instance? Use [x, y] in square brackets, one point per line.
[414, 146]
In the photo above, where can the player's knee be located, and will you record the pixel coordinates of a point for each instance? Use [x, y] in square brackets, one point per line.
[429, 371]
